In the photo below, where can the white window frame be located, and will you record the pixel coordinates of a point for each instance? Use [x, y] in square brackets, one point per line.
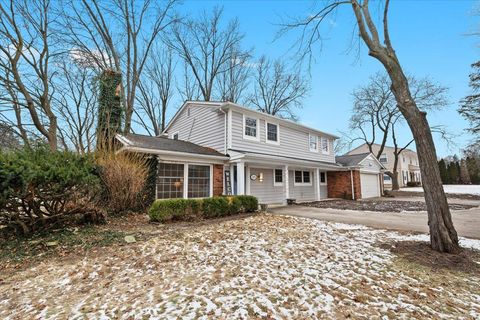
[316, 142]
[247, 137]
[275, 183]
[175, 133]
[322, 139]
[186, 181]
[320, 177]
[302, 183]
[266, 133]
[386, 158]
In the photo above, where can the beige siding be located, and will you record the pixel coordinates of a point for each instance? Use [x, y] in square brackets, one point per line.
[265, 191]
[301, 193]
[293, 142]
[204, 126]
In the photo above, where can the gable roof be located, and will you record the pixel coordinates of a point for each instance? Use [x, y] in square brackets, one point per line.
[355, 160]
[137, 142]
[377, 145]
[351, 160]
[227, 105]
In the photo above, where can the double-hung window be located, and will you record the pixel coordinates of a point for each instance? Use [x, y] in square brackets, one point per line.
[250, 128]
[277, 177]
[272, 133]
[313, 143]
[198, 181]
[325, 146]
[302, 178]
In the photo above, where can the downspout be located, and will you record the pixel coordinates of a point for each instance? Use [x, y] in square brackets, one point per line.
[353, 187]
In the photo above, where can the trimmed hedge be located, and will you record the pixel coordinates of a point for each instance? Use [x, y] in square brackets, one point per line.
[193, 209]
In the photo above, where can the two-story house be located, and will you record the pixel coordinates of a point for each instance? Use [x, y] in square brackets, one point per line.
[215, 148]
[408, 168]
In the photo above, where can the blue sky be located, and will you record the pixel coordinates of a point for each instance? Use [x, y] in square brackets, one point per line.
[430, 37]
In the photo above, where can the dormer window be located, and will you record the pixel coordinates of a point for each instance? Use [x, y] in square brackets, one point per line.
[250, 128]
[325, 146]
[272, 133]
[313, 143]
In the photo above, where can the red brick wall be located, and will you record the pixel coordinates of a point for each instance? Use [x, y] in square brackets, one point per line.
[217, 179]
[339, 184]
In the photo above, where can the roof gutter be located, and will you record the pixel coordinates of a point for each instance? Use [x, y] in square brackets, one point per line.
[173, 153]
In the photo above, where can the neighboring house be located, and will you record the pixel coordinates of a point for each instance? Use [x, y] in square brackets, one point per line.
[407, 168]
[215, 148]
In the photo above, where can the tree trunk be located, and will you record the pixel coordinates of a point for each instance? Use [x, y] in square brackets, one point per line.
[395, 184]
[443, 236]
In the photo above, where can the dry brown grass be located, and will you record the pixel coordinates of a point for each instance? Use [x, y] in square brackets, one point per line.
[124, 176]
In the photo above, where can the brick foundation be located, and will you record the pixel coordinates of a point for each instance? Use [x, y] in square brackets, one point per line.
[217, 179]
[339, 184]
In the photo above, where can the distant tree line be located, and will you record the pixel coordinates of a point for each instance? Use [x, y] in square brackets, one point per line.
[465, 170]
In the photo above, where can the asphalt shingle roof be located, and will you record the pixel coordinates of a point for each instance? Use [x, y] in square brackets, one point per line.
[351, 160]
[164, 143]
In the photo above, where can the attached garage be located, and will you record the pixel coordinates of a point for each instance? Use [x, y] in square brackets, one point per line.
[370, 185]
[366, 171]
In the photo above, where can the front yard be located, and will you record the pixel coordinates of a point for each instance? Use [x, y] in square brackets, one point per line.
[260, 266]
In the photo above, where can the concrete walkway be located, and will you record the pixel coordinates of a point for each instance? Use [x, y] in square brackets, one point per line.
[467, 222]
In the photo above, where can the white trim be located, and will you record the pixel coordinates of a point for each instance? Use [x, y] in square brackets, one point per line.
[240, 178]
[290, 123]
[322, 139]
[316, 142]
[185, 181]
[247, 180]
[374, 159]
[257, 131]
[174, 153]
[302, 184]
[229, 129]
[266, 133]
[317, 185]
[275, 183]
[287, 187]
[211, 180]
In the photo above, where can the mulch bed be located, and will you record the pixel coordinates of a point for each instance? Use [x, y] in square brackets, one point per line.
[381, 206]
[466, 261]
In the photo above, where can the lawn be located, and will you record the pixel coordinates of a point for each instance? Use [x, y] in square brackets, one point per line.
[453, 189]
[260, 266]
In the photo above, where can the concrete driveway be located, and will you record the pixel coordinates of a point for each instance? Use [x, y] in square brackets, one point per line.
[467, 222]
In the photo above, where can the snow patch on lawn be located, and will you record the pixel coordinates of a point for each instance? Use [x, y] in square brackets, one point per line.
[452, 188]
[259, 267]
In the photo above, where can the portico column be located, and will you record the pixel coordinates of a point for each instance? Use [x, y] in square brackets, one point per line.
[247, 181]
[240, 178]
[287, 187]
[317, 184]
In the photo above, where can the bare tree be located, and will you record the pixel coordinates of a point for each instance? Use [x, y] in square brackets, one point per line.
[207, 48]
[188, 88]
[375, 114]
[118, 35]
[234, 81]
[76, 103]
[470, 105]
[156, 90]
[25, 64]
[443, 236]
[276, 90]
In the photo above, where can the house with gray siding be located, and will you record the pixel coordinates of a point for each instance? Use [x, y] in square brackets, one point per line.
[225, 148]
